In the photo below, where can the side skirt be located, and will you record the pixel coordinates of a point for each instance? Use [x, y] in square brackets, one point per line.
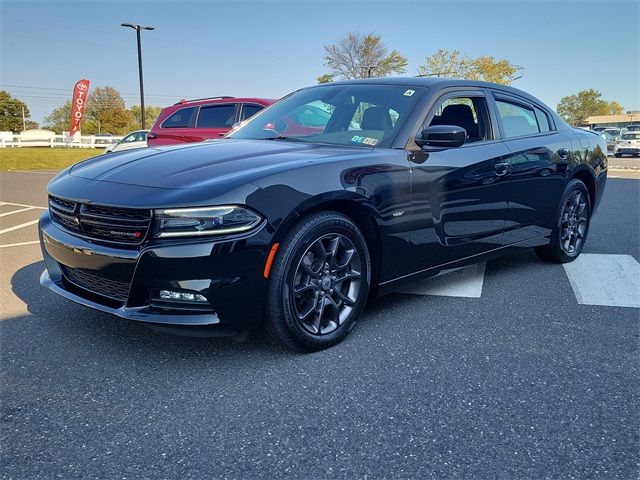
[389, 286]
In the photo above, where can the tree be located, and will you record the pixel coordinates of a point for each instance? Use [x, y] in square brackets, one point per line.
[11, 111]
[358, 56]
[576, 108]
[151, 113]
[326, 78]
[489, 69]
[453, 64]
[445, 63]
[59, 119]
[107, 112]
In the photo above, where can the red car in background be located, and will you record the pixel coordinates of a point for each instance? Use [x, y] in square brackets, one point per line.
[202, 119]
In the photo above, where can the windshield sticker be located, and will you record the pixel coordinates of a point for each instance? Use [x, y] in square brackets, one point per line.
[365, 140]
[408, 93]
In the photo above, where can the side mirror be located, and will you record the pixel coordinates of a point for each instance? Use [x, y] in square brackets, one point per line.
[447, 136]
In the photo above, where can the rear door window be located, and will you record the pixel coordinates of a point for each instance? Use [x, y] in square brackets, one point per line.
[217, 116]
[517, 120]
[183, 118]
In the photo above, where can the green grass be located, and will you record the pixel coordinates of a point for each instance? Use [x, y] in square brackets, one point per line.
[35, 158]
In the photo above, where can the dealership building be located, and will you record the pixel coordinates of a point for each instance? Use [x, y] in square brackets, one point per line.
[619, 121]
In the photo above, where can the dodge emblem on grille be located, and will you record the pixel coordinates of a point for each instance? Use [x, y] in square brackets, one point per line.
[116, 233]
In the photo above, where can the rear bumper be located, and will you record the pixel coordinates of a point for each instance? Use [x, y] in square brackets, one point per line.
[227, 272]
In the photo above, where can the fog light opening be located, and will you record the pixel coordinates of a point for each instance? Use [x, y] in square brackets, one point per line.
[179, 296]
[184, 300]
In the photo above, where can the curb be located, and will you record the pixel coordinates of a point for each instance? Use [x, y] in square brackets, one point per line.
[624, 169]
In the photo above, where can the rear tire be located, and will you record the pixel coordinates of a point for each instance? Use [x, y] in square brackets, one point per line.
[617, 155]
[571, 225]
[319, 282]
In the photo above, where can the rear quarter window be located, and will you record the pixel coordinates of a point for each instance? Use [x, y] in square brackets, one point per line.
[543, 120]
[249, 111]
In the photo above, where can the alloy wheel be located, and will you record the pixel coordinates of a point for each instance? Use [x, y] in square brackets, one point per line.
[326, 284]
[573, 223]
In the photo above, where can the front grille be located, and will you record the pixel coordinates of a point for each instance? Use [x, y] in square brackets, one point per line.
[99, 222]
[107, 287]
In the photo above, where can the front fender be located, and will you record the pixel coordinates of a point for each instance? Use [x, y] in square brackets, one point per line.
[374, 192]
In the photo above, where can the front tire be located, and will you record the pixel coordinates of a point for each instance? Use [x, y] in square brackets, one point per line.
[571, 226]
[319, 282]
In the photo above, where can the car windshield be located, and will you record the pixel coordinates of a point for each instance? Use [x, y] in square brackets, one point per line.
[356, 115]
[631, 136]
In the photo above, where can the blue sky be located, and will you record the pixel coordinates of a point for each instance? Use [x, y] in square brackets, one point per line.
[269, 48]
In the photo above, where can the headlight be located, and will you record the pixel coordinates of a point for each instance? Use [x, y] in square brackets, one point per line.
[194, 222]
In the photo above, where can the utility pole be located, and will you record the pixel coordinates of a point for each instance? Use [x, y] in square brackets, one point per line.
[138, 28]
[24, 121]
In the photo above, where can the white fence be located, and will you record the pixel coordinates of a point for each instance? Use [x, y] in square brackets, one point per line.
[47, 138]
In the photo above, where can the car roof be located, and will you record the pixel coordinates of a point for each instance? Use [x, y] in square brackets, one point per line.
[222, 99]
[435, 82]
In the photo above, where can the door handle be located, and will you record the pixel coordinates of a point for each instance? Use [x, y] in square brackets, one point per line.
[501, 169]
[563, 153]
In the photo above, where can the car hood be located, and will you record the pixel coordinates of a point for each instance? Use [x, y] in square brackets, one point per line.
[206, 163]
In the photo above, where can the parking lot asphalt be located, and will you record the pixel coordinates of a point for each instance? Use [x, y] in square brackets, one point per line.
[524, 380]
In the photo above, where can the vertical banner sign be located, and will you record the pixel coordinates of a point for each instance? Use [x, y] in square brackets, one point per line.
[78, 104]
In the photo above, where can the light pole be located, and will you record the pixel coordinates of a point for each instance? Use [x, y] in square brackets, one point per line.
[137, 28]
[368, 69]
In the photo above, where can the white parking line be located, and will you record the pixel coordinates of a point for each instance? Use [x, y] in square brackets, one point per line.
[22, 205]
[460, 282]
[611, 280]
[16, 227]
[16, 211]
[19, 244]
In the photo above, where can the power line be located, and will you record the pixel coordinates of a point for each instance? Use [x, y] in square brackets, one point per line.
[71, 89]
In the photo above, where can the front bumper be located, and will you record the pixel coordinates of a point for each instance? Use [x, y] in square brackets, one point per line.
[626, 149]
[228, 272]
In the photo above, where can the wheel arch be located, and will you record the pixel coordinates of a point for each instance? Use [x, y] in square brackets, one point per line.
[353, 206]
[588, 178]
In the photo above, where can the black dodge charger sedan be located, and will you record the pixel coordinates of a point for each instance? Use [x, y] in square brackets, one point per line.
[334, 194]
